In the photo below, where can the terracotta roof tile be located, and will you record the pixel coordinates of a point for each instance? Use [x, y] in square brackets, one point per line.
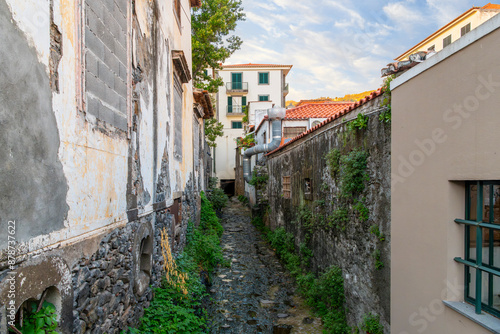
[317, 110]
[347, 110]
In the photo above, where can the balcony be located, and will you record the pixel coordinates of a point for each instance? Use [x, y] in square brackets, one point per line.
[235, 110]
[285, 90]
[236, 87]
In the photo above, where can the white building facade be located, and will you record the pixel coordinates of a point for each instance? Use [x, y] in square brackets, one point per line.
[244, 85]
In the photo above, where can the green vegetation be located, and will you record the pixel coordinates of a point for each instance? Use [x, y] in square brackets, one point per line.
[339, 218]
[362, 210]
[324, 294]
[218, 198]
[246, 142]
[371, 324]
[211, 25]
[376, 256]
[333, 161]
[37, 321]
[176, 306]
[385, 116]
[243, 199]
[359, 123]
[258, 180]
[374, 229]
[245, 111]
[213, 129]
[353, 173]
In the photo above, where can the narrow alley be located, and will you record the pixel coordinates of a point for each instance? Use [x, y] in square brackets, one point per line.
[255, 293]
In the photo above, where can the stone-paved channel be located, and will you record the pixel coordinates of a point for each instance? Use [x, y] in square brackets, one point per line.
[256, 293]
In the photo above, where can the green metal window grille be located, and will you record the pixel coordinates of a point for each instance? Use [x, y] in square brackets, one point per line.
[236, 125]
[263, 97]
[263, 78]
[482, 246]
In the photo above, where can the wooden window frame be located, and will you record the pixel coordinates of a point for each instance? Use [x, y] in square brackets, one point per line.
[287, 187]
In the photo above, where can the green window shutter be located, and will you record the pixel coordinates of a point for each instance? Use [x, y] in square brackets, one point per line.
[264, 98]
[263, 78]
[229, 104]
[243, 101]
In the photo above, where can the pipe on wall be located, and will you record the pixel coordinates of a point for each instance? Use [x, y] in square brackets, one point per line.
[276, 114]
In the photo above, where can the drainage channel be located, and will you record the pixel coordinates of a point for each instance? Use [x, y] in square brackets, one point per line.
[255, 294]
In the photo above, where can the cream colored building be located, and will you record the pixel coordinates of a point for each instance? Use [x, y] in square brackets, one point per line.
[446, 143]
[452, 31]
[244, 84]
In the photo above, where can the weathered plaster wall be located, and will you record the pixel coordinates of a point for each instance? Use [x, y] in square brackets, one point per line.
[83, 187]
[366, 288]
[32, 174]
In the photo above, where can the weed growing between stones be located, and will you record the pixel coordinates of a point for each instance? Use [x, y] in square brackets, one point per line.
[359, 123]
[375, 230]
[371, 324]
[243, 199]
[385, 116]
[258, 180]
[325, 294]
[177, 303]
[376, 256]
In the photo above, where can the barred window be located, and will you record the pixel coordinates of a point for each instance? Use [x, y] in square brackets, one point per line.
[482, 240]
[287, 187]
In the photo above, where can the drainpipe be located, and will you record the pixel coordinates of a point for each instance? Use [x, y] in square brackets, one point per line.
[276, 115]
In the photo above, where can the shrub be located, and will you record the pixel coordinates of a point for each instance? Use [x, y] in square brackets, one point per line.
[258, 180]
[209, 221]
[218, 198]
[371, 324]
[333, 161]
[353, 173]
[359, 123]
[41, 321]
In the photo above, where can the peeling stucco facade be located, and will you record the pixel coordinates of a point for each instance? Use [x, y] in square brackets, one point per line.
[88, 122]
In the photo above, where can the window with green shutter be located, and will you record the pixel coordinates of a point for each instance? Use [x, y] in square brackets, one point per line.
[263, 78]
[236, 125]
[229, 104]
[263, 97]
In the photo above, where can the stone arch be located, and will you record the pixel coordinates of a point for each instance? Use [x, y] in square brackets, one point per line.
[143, 257]
[47, 276]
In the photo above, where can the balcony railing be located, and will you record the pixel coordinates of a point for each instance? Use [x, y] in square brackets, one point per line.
[235, 110]
[236, 87]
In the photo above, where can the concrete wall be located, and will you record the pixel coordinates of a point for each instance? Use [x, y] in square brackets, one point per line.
[351, 246]
[445, 131]
[87, 169]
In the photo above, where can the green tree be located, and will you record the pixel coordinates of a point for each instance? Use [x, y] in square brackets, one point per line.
[211, 24]
[213, 129]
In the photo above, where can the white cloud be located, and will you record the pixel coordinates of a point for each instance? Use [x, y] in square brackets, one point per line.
[446, 10]
[403, 15]
[355, 18]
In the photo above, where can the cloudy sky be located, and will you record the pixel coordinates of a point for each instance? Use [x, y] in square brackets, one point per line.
[337, 47]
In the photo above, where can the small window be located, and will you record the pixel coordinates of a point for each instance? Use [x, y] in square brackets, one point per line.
[446, 41]
[293, 131]
[307, 186]
[177, 10]
[263, 97]
[287, 187]
[465, 29]
[482, 240]
[432, 48]
[264, 78]
[236, 125]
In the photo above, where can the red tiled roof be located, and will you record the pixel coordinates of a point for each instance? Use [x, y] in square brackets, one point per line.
[347, 110]
[491, 6]
[317, 110]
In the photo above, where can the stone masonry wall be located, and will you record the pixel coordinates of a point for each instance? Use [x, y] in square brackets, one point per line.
[351, 247]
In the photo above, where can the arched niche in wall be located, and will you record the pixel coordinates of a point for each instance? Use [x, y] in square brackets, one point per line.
[41, 278]
[143, 257]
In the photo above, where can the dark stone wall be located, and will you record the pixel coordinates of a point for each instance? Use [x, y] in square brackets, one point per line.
[366, 288]
[32, 182]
